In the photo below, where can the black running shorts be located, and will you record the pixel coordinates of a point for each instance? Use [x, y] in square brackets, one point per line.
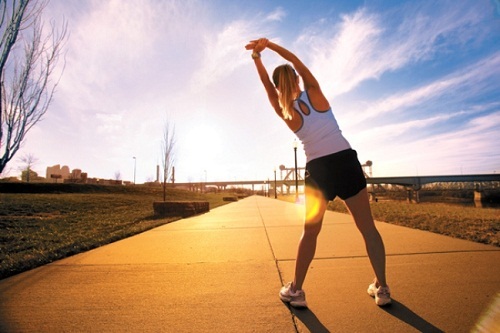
[339, 174]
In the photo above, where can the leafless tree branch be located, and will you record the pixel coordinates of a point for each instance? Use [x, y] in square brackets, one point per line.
[167, 150]
[28, 59]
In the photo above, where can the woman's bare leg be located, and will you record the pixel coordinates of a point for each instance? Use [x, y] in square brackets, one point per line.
[359, 206]
[315, 210]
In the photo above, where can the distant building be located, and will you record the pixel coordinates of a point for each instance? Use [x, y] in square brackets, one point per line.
[76, 174]
[57, 174]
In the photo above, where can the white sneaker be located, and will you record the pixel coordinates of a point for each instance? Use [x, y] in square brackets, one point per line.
[382, 294]
[296, 299]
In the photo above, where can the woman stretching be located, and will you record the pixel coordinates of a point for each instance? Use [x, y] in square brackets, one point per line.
[332, 167]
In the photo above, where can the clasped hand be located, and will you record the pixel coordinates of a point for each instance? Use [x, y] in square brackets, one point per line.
[258, 45]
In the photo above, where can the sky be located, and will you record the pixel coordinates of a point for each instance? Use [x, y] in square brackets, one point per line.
[414, 86]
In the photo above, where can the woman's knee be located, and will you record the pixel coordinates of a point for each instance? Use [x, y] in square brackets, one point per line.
[312, 229]
[369, 233]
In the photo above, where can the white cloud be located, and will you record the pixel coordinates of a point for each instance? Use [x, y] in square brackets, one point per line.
[468, 80]
[277, 15]
[223, 53]
[108, 123]
[451, 152]
[386, 133]
[365, 45]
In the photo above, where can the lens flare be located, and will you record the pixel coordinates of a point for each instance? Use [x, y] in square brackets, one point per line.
[315, 205]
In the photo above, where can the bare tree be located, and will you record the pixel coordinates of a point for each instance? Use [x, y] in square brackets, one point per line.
[28, 161]
[28, 58]
[167, 151]
[118, 175]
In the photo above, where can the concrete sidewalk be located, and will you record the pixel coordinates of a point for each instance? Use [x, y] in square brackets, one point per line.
[221, 272]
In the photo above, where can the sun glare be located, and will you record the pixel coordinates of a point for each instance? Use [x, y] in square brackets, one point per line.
[202, 148]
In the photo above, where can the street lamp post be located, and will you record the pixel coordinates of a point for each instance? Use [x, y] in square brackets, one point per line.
[296, 178]
[135, 163]
[275, 190]
[205, 186]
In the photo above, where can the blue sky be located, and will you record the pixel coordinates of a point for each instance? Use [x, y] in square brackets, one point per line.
[414, 86]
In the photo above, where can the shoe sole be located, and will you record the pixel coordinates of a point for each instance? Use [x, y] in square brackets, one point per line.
[298, 305]
[377, 300]
[293, 303]
[383, 303]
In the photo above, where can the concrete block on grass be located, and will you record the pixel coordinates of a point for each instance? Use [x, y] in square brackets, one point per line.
[180, 208]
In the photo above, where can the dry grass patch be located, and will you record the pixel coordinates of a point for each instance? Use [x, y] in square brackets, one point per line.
[480, 225]
[36, 229]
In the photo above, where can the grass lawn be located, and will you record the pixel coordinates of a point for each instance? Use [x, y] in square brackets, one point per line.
[38, 228]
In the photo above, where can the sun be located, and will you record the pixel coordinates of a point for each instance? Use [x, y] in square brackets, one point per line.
[200, 148]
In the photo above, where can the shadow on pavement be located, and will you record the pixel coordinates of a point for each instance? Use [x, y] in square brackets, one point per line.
[309, 319]
[406, 315]
[396, 309]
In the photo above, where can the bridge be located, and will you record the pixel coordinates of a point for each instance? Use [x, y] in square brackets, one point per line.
[412, 184]
[416, 182]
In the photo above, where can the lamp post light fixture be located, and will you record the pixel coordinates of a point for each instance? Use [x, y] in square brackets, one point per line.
[135, 164]
[275, 189]
[296, 177]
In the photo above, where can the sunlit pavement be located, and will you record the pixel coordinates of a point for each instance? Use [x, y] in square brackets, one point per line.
[221, 272]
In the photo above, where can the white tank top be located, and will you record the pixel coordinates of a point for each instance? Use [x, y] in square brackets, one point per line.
[320, 134]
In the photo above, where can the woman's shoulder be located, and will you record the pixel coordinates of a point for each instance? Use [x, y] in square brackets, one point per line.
[316, 99]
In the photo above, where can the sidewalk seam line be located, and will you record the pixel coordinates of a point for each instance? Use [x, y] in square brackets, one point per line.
[398, 254]
[294, 320]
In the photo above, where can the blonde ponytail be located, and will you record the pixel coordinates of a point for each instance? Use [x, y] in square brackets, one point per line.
[284, 78]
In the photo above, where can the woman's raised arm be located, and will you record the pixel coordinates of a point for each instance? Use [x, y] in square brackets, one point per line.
[257, 47]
